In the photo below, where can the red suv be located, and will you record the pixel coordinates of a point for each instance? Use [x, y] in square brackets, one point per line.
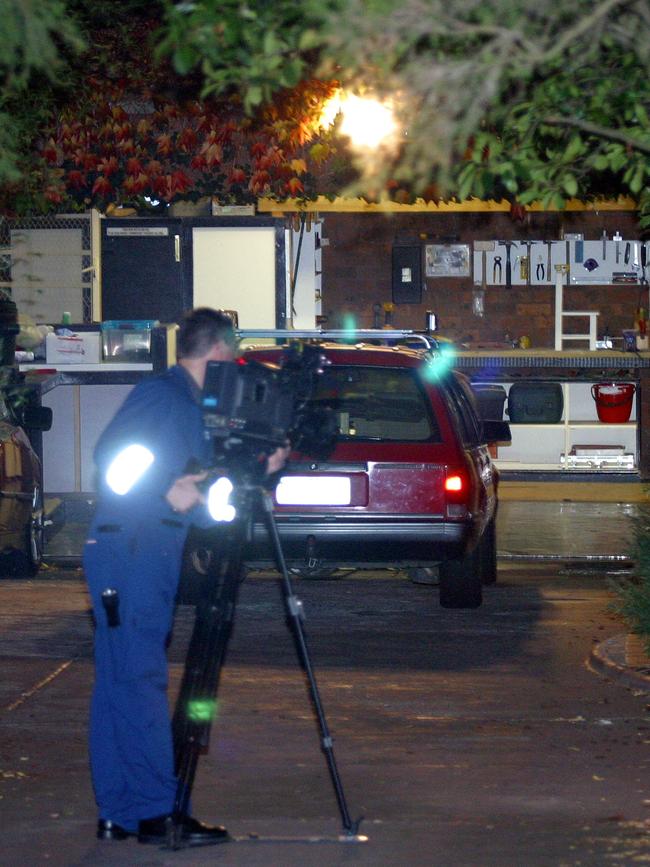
[410, 482]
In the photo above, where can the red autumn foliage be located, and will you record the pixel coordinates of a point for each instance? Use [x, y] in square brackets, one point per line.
[119, 141]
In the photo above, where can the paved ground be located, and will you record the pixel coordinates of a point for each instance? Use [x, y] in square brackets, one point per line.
[503, 736]
[465, 738]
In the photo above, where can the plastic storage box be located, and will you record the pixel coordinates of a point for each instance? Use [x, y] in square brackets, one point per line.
[535, 402]
[491, 399]
[127, 340]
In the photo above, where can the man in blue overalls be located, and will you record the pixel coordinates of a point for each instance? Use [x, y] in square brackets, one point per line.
[147, 502]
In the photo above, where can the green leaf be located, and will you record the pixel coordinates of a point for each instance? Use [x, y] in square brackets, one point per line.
[270, 43]
[466, 181]
[638, 178]
[642, 116]
[184, 59]
[574, 147]
[570, 185]
[253, 96]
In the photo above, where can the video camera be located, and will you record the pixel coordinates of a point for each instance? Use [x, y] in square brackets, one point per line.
[253, 405]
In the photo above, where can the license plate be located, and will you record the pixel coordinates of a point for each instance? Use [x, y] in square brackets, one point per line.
[313, 491]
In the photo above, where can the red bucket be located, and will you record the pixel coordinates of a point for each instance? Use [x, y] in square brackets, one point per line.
[614, 401]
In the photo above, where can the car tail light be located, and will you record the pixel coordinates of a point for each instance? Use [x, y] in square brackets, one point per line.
[454, 484]
[457, 487]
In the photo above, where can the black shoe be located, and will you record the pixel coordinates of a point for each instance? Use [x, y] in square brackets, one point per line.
[107, 830]
[193, 832]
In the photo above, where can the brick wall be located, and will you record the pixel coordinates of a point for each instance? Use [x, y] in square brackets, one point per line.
[357, 275]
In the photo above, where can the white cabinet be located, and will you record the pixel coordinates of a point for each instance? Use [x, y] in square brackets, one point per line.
[540, 446]
[79, 415]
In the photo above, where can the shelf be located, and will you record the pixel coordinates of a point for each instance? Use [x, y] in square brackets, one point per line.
[524, 467]
[536, 447]
[602, 425]
[537, 424]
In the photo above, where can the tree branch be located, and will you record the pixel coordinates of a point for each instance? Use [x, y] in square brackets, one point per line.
[584, 26]
[599, 131]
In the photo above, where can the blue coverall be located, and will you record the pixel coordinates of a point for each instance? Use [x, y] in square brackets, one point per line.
[135, 546]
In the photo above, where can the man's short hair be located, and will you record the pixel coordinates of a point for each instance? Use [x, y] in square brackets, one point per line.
[200, 329]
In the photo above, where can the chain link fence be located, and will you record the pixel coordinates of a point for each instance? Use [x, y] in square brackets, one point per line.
[46, 265]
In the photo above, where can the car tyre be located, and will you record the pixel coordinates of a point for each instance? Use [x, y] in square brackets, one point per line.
[25, 562]
[488, 553]
[460, 582]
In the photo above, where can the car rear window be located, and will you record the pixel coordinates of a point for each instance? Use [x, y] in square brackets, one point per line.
[462, 405]
[378, 403]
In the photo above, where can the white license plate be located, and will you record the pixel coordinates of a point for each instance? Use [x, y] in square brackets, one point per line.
[313, 491]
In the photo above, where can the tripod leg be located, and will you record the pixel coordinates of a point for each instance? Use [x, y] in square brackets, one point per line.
[296, 614]
[196, 701]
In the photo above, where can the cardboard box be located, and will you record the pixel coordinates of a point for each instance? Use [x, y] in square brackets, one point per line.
[75, 348]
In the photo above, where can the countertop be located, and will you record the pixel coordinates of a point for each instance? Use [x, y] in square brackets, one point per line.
[550, 358]
[106, 367]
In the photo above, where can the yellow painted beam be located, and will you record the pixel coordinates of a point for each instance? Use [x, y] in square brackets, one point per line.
[344, 205]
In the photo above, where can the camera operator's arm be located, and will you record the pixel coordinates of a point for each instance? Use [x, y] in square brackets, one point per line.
[277, 459]
[184, 494]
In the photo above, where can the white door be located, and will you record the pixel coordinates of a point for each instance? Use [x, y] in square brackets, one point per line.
[235, 269]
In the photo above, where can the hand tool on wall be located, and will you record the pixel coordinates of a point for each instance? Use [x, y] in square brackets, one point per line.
[568, 262]
[549, 273]
[618, 238]
[529, 264]
[524, 270]
[496, 269]
[508, 245]
[624, 277]
[484, 247]
[644, 262]
[604, 236]
[539, 271]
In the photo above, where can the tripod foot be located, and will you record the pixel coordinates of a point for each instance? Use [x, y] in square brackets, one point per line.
[173, 834]
[351, 834]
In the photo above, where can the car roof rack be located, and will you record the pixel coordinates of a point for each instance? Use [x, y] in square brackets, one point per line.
[358, 334]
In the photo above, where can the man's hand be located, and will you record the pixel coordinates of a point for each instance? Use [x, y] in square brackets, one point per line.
[184, 494]
[277, 459]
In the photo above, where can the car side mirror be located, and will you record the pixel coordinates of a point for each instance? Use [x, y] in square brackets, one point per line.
[36, 418]
[496, 431]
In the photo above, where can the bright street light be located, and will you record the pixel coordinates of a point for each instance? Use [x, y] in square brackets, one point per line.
[367, 122]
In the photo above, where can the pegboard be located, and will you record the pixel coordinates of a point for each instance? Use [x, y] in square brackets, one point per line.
[599, 262]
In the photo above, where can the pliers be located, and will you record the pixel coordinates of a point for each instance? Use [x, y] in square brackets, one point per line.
[539, 271]
[496, 269]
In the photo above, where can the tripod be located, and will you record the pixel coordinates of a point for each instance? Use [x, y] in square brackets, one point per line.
[215, 613]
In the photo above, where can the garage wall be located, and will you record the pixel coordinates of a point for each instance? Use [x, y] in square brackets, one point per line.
[357, 262]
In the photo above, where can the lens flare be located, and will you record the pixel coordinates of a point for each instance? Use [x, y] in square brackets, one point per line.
[202, 710]
[438, 363]
[349, 324]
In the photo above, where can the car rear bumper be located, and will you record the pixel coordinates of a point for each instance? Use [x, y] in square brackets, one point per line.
[339, 539]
